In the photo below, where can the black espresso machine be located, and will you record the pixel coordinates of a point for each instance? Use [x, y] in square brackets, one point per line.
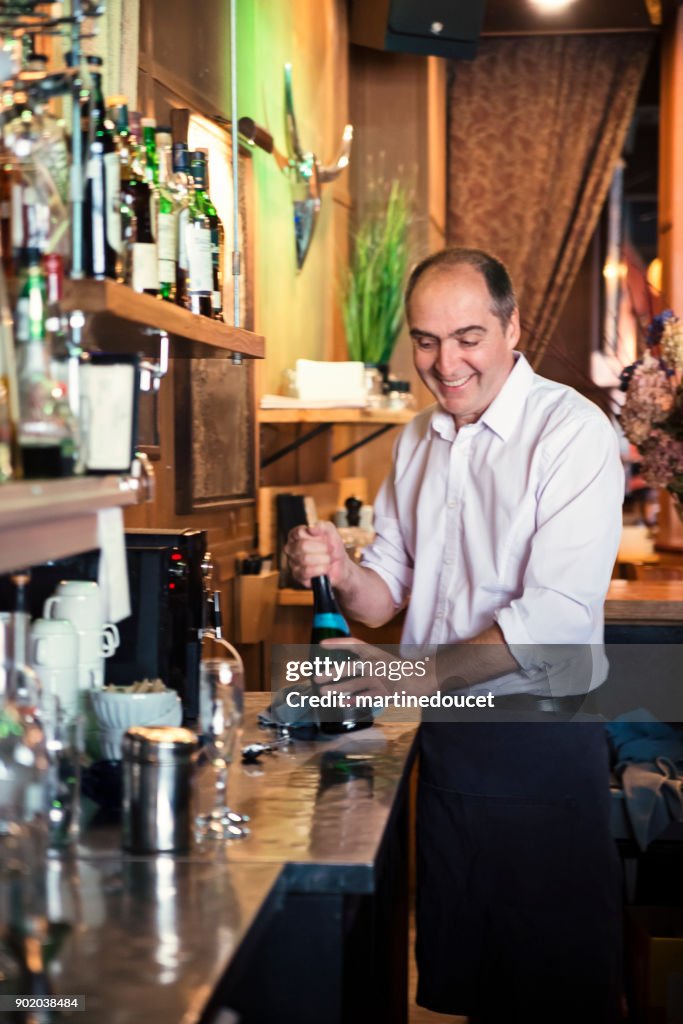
[169, 573]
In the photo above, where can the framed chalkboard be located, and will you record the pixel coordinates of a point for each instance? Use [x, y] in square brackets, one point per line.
[214, 416]
[214, 434]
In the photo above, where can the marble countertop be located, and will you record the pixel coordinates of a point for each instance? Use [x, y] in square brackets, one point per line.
[149, 938]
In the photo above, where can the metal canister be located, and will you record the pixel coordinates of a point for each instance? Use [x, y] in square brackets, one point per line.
[158, 769]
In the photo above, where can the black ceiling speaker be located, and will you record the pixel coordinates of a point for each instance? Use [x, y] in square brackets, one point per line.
[443, 28]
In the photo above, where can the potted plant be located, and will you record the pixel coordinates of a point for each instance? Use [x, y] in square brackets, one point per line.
[373, 299]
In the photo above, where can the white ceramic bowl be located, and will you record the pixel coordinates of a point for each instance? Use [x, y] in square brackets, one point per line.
[117, 711]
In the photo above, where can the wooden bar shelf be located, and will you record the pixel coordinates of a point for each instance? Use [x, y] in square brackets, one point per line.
[114, 311]
[367, 417]
[46, 519]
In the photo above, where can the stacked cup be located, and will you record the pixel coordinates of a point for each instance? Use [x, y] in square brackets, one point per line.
[80, 602]
[54, 655]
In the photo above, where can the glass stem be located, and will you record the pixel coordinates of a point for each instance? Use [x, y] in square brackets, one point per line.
[221, 787]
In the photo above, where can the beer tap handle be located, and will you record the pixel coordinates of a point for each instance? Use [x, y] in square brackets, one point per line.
[216, 617]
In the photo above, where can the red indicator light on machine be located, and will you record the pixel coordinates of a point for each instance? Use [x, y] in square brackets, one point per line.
[176, 557]
[171, 586]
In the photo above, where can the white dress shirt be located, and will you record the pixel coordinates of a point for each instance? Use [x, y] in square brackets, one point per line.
[514, 519]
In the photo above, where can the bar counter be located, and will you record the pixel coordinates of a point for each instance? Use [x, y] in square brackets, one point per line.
[305, 920]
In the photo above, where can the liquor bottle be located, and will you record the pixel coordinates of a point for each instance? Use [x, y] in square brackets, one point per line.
[328, 623]
[144, 258]
[102, 209]
[64, 364]
[10, 462]
[6, 215]
[117, 109]
[200, 174]
[182, 185]
[30, 213]
[168, 207]
[199, 259]
[45, 440]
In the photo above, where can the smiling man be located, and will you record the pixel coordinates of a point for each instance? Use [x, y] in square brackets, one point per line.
[497, 529]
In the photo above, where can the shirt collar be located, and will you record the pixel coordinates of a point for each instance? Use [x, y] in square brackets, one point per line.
[504, 410]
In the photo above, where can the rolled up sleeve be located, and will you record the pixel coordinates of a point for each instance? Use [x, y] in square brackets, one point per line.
[573, 549]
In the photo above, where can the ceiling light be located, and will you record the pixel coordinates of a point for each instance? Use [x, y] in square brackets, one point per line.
[549, 6]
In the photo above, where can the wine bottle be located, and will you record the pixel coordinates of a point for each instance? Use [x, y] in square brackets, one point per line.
[45, 440]
[102, 211]
[145, 261]
[199, 258]
[117, 108]
[200, 175]
[10, 461]
[167, 217]
[328, 623]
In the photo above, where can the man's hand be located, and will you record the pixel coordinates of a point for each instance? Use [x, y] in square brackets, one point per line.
[317, 551]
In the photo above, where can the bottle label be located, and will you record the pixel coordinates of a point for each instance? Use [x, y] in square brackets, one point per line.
[167, 247]
[112, 185]
[22, 321]
[331, 620]
[183, 224]
[145, 267]
[200, 266]
[17, 215]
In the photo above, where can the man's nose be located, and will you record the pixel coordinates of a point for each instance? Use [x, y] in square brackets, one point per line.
[449, 360]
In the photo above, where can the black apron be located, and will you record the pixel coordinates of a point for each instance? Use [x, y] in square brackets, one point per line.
[519, 889]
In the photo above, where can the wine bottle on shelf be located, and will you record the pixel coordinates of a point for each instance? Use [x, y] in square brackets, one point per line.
[64, 365]
[117, 108]
[328, 623]
[182, 185]
[200, 174]
[144, 261]
[102, 209]
[10, 461]
[168, 208]
[45, 437]
[199, 259]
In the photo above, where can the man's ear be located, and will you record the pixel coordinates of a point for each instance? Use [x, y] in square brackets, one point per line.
[513, 330]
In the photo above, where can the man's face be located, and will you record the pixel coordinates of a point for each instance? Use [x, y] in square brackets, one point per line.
[461, 351]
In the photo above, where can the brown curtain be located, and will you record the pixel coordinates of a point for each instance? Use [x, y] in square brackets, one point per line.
[536, 126]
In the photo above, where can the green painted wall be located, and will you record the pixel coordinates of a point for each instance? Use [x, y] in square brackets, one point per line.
[297, 311]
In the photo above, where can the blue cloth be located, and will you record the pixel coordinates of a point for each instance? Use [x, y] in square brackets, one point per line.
[648, 762]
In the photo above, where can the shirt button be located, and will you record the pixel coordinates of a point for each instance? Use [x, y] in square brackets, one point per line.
[452, 504]
[448, 561]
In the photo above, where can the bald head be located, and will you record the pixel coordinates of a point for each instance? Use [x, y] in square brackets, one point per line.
[494, 272]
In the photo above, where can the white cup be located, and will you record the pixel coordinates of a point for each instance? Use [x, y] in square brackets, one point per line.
[62, 683]
[79, 601]
[94, 644]
[54, 644]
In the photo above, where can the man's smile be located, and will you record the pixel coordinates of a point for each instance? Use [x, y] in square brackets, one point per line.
[457, 382]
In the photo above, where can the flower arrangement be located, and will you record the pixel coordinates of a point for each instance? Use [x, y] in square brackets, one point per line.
[373, 300]
[652, 414]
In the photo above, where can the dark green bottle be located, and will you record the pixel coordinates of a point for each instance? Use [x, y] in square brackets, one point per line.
[328, 623]
[200, 174]
[102, 210]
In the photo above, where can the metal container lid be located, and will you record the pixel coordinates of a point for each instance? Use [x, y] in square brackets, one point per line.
[159, 744]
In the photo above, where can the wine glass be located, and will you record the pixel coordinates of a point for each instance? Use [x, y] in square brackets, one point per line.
[221, 704]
